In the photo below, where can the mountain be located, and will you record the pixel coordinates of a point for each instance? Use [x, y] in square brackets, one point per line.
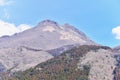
[50, 51]
[47, 35]
[31, 47]
[85, 62]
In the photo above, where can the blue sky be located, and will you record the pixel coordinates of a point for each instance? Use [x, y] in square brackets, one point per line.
[96, 18]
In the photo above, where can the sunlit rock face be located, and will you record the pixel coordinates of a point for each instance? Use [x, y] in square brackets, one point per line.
[102, 64]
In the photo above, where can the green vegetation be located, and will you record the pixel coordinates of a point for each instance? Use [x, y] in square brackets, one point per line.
[63, 67]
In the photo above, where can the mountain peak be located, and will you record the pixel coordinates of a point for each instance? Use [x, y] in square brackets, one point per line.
[46, 36]
[66, 25]
[48, 22]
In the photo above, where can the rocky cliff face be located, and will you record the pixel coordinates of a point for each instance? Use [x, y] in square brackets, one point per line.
[116, 53]
[102, 64]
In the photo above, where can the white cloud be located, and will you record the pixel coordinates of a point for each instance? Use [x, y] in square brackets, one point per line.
[10, 29]
[116, 31]
[5, 2]
[23, 27]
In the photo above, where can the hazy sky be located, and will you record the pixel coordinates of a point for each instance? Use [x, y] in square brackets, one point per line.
[99, 19]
